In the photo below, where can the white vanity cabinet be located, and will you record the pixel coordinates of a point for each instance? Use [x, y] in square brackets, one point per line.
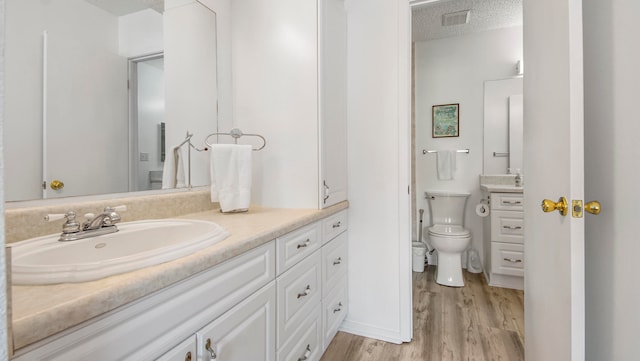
[335, 258]
[283, 300]
[504, 263]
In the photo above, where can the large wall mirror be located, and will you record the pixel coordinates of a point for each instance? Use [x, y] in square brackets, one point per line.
[98, 91]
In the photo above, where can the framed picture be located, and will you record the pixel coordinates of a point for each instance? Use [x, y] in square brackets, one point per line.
[446, 120]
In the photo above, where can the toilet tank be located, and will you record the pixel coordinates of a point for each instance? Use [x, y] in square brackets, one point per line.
[447, 207]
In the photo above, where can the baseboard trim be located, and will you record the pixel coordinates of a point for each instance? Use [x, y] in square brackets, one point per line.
[365, 330]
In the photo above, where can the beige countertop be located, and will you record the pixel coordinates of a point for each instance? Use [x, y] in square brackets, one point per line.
[42, 311]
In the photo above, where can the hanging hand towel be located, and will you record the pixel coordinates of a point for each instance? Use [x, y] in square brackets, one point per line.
[231, 176]
[446, 160]
[173, 174]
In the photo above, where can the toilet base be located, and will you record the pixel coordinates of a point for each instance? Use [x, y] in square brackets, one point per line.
[449, 270]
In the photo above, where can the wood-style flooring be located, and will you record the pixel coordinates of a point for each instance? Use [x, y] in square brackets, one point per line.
[475, 322]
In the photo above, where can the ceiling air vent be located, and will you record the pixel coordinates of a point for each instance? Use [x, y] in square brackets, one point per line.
[457, 18]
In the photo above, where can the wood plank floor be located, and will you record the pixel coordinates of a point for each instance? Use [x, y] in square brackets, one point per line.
[475, 323]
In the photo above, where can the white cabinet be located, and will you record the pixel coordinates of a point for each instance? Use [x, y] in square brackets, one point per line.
[333, 101]
[504, 251]
[335, 256]
[246, 332]
[238, 310]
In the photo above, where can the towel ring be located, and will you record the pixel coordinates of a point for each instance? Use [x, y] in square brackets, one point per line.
[236, 133]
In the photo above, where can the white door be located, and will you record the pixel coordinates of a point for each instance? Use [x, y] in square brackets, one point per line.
[553, 157]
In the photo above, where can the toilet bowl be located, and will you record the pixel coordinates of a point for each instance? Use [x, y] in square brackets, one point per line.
[448, 235]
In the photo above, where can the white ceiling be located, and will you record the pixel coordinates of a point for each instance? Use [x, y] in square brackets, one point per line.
[124, 7]
[485, 15]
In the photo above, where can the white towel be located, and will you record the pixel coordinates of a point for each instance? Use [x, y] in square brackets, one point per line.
[446, 160]
[173, 173]
[231, 176]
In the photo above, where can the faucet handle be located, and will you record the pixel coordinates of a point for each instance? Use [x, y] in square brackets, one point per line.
[70, 226]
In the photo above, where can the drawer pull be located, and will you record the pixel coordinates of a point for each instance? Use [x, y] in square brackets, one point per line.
[307, 353]
[187, 357]
[338, 261]
[306, 292]
[512, 260]
[336, 225]
[210, 349]
[339, 308]
[511, 202]
[305, 244]
[512, 227]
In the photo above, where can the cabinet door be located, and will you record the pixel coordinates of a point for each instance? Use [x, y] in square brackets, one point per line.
[185, 351]
[333, 106]
[246, 332]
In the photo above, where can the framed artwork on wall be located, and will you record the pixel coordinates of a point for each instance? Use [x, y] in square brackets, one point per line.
[446, 120]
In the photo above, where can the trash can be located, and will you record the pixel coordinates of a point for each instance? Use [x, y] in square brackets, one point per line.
[419, 251]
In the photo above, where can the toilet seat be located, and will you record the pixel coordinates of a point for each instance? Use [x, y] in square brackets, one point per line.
[448, 230]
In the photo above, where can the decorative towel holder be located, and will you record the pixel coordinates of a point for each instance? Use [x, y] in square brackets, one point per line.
[237, 133]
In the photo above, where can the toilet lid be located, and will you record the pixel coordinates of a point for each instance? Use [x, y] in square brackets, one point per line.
[449, 230]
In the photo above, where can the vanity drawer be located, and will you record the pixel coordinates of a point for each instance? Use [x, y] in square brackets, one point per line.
[507, 201]
[334, 225]
[507, 259]
[306, 341]
[334, 262]
[334, 310]
[507, 226]
[298, 292]
[295, 246]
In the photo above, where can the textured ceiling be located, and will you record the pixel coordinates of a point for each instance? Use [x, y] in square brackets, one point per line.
[124, 7]
[485, 15]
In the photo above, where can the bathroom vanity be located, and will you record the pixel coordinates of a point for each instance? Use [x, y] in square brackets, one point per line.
[504, 236]
[276, 289]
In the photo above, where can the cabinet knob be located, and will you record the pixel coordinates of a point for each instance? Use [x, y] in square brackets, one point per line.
[338, 261]
[187, 357]
[209, 348]
[336, 225]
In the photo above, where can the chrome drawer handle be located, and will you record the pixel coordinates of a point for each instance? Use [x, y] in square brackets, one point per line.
[338, 261]
[339, 308]
[306, 292]
[512, 227]
[511, 202]
[512, 260]
[210, 349]
[336, 225]
[305, 244]
[307, 353]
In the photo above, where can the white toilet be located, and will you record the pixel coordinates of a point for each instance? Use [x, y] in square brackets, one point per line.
[448, 235]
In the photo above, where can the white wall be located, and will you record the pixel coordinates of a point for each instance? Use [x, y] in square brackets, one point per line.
[140, 33]
[378, 126]
[190, 80]
[453, 70]
[87, 99]
[612, 125]
[275, 94]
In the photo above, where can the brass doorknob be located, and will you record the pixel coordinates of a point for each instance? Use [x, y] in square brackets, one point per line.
[593, 207]
[56, 185]
[561, 206]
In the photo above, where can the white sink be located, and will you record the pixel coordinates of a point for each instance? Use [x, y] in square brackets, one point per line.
[45, 260]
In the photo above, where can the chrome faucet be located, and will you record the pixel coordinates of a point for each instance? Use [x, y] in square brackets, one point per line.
[103, 223]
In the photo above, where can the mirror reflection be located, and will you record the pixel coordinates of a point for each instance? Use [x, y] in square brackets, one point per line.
[503, 126]
[98, 92]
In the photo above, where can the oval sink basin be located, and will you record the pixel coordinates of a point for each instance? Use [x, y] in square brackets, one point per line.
[45, 260]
